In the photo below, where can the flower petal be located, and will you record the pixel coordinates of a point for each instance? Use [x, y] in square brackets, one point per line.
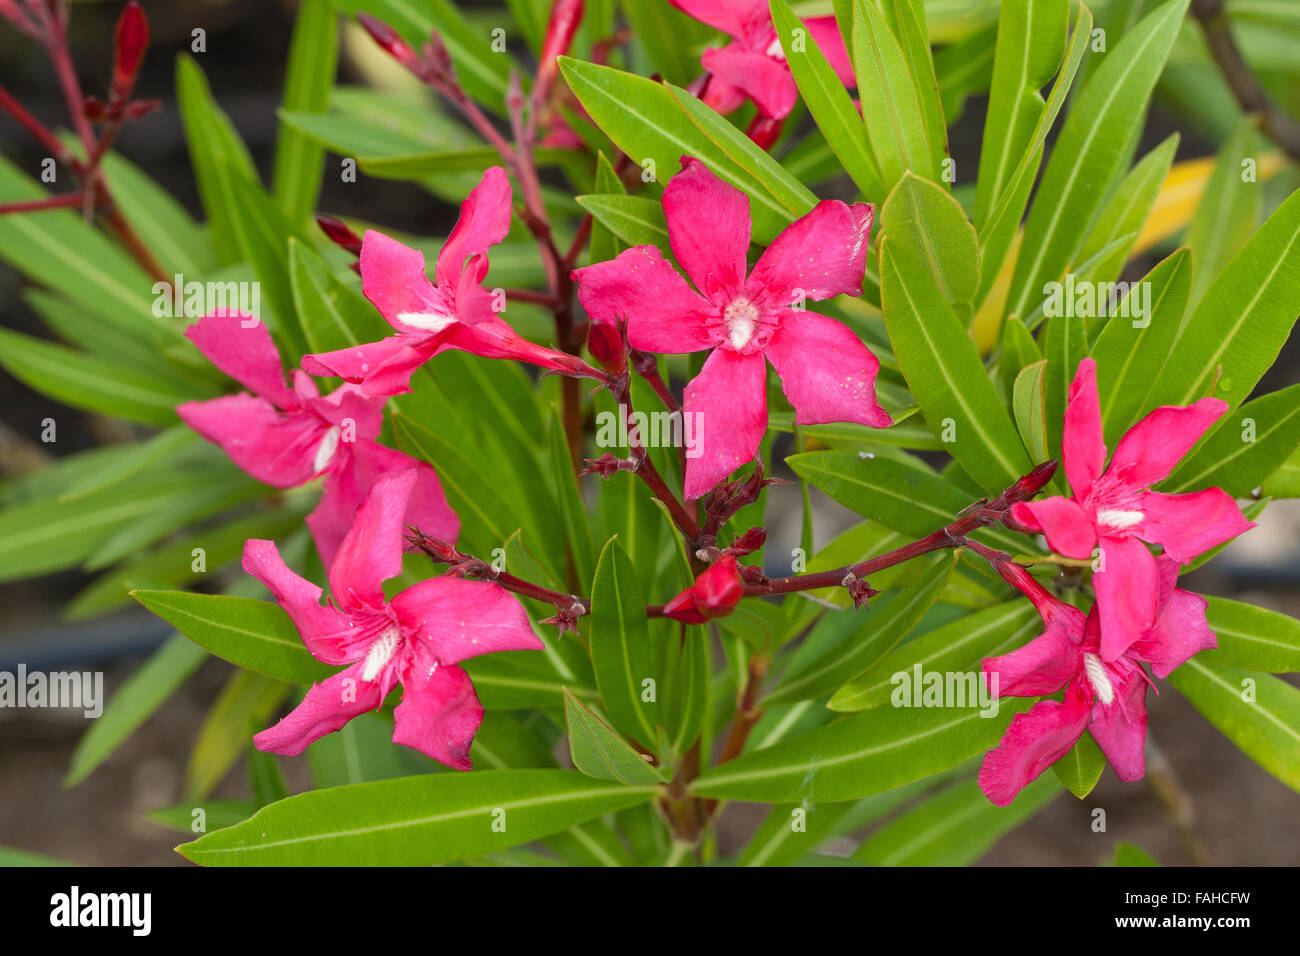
[484, 221]
[381, 368]
[1034, 741]
[324, 630]
[275, 447]
[765, 80]
[1150, 449]
[1044, 665]
[826, 371]
[347, 487]
[326, 708]
[371, 552]
[1121, 728]
[460, 618]
[1190, 524]
[825, 33]
[1082, 446]
[1066, 525]
[439, 713]
[1128, 590]
[708, 228]
[728, 403]
[663, 313]
[730, 16]
[1181, 632]
[819, 255]
[394, 280]
[246, 354]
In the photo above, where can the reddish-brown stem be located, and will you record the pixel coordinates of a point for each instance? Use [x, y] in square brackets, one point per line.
[529, 295]
[39, 131]
[748, 714]
[49, 202]
[579, 241]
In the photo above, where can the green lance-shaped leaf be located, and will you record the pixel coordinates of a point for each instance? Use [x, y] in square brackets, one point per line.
[309, 75]
[648, 122]
[1029, 404]
[1234, 335]
[620, 647]
[598, 751]
[998, 231]
[133, 703]
[1030, 48]
[244, 706]
[1017, 351]
[882, 628]
[909, 500]
[1111, 238]
[928, 227]
[636, 220]
[92, 383]
[334, 315]
[1285, 481]
[1132, 348]
[162, 223]
[1229, 208]
[946, 375]
[1259, 713]
[953, 828]
[1065, 344]
[907, 22]
[1247, 446]
[216, 153]
[414, 821]
[891, 103]
[1081, 768]
[263, 233]
[256, 635]
[828, 101]
[957, 646]
[1089, 153]
[860, 755]
[1253, 638]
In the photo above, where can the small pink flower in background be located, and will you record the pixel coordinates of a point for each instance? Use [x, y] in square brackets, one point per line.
[753, 66]
[1113, 506]
[1105, 698]
[285, 436]
[826, 372]
[715, 593]
[454, 313]
[415, 640]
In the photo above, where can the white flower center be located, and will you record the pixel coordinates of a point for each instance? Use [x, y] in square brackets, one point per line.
[426, 320]
[1119, 520]
[380, 653]
[326, 449]
[1096, 671]
[741, 317]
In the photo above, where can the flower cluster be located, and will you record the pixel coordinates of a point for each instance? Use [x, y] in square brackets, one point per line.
[1139, 615]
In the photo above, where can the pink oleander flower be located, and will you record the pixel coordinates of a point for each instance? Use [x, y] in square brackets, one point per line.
[753, 66]
[285, 436]
[826, 372]
[1105, 698]
[415, 640]
[454, 313]
[715, 593]
[1114, 506]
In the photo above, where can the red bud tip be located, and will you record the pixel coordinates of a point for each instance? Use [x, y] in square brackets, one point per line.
[389, 39]
[566, 17]
[749, 542]
[130, 40]
[93, 109]
[339, 234]
[715, 593]
[605, 343]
